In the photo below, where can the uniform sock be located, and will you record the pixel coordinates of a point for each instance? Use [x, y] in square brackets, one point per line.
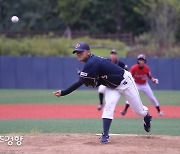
[106, 125]
[101, 96]
[126, 107]
[158, 109]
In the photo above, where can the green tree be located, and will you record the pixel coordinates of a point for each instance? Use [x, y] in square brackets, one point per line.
[94, 16]
[111, 17]
[71, 11]
[33, 14]
[101, 16]
[162, 16]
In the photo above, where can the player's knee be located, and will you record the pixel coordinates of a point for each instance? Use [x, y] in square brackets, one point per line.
[108, 114]
[100, 90]
[143, 112]
[108, 111]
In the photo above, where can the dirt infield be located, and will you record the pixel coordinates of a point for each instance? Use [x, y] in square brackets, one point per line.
[89, 144]
[85, 143]
[21, 111]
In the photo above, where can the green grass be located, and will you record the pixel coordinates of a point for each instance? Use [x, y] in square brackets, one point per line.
[77, 97]
[101, 47]
[119, 126]
[122, 126]
[103, 52]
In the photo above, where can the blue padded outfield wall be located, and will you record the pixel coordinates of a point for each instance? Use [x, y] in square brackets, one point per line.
[59, 73]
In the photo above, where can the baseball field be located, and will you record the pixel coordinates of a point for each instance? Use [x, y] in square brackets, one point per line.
[72, 124]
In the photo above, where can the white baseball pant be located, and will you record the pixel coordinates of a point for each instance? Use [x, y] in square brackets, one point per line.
[145, 88]
[129, 90]
[102, 89]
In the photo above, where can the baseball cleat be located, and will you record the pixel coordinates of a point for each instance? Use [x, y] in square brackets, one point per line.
[160, 113]
[104, 139]
[123, 112]
[147, 123]
[100, 106]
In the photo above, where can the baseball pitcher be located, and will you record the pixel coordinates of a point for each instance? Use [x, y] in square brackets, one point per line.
[101, 71]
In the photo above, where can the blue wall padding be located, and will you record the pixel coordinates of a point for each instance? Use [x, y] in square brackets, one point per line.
[61, 72]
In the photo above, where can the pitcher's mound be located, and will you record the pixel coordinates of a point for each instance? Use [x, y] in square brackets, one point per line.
[89, 144]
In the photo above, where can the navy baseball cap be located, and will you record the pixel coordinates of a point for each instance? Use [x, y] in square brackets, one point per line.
[113, 51]
[80, 47]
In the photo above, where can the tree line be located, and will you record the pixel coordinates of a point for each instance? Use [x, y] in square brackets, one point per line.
[96, 16]
[157, 19]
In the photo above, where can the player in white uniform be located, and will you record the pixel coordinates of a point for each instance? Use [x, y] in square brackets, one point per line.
[101, 90]
[141, 73]
[101, 71]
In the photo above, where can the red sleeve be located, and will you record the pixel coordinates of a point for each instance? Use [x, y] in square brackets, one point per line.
[148, 72]
[132, 70]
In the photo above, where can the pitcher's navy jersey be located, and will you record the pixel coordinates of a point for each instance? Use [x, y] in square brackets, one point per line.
[98, 70]
[119, 63]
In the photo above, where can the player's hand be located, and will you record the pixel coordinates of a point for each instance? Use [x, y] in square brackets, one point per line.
[57, 93]
[155, 81]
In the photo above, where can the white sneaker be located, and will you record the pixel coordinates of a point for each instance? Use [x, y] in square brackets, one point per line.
[161, 113]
